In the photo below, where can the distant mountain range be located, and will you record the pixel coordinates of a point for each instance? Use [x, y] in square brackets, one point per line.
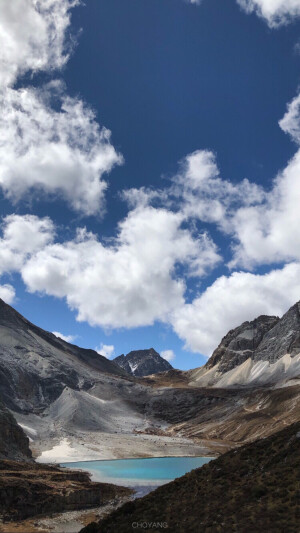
[77, 400]
[142, 362]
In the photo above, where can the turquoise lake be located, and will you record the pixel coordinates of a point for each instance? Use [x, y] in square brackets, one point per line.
[140, 472]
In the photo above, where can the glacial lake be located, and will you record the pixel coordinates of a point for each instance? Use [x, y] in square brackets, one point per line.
[140, 472]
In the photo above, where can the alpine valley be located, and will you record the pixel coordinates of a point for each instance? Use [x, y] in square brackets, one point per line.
[62, 403]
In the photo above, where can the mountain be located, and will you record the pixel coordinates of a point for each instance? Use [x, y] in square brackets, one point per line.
[74, 404]
[239, 491]
[36, 366]
[143, 362]
[263, 351]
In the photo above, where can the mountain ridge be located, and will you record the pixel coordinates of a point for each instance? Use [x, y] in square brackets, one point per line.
[143, 362]
[76, 405]
[263, 351]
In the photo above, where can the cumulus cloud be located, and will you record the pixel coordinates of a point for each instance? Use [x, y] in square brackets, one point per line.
[263, 226]
[62, 151]
[204, 195]
[230, 300]
[49, 142]
[107, 350]
[290, 123]
[7, 293]
[130, 282]
[32, 36]
[168, 355]
[140, 276]
[23, 236]
[268, 231]
[275, 12]
[66, 338]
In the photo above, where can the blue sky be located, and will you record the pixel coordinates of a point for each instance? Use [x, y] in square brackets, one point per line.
[184, 220]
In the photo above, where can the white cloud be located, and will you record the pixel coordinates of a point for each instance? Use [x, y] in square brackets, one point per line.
[7, 293]
[107, 350]
[130, 282]
[231, 300]
[290, 123]
[22, 236]
[49, 143]
[140, 276]
[66, 338]
[263, 226]
[168, 355]
[268, 231]
[51, 151]
[32, 36]
[204, 195]
[275, 12]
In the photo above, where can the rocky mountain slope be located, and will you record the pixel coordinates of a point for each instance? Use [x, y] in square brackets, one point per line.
[74, 404]
[143, 362]
[264, 351]
[238, 492]
[36, 366]
[13, 442]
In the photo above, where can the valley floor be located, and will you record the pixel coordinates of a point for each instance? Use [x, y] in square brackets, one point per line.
[101, 446]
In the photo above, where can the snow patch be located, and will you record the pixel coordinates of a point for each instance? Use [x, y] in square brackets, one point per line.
[30, 432]
[133, 367]
[64, 452]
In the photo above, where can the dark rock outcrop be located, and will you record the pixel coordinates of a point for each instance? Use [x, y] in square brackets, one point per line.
[267, 338]
[283, 338]
[143, 362]
[241, 343]
[13, 442]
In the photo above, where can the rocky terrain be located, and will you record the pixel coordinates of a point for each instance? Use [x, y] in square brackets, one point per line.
[28, 490]
[143, 362]
[74, 404]
[36, 366]
[238, 492]
[63, 403]
[265, 351]
[13, 442]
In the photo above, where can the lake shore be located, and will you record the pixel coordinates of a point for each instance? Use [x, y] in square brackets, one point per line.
[108, 446]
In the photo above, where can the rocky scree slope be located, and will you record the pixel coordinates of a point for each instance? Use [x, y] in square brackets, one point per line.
[143, 362]
[28, 489]
[67, 397]
[36, 366]
[238, 492]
